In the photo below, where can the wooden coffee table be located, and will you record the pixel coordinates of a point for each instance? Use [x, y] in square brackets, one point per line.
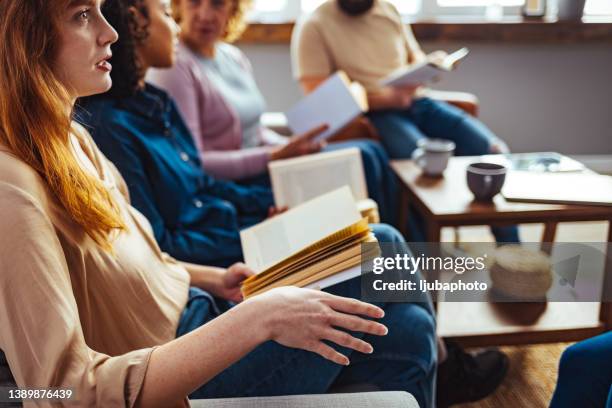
[447, 202]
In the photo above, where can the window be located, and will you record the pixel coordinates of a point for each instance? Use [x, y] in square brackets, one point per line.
[598, 7]
[289, 10]
[406, 7]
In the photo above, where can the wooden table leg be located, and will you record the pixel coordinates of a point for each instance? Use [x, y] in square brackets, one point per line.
[548, 237]
[434, 250]
[434, 232]
[404, 208]
[605, 315]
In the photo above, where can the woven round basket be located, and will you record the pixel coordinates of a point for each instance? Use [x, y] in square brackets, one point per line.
[521, 273]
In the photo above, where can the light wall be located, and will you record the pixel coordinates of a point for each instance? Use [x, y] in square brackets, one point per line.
[537, 97]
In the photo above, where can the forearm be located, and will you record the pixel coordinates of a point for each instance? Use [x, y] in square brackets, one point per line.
[236, 164]
[181, 366]
[417, 56]
[204, 277]
[380, 100]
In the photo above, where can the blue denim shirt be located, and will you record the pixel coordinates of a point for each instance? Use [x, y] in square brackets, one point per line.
[195, 218]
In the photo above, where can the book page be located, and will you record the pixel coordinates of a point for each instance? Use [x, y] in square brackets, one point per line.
[416, 74]
[558, 188]
[295, 181]
[335, 279]
[313, 256]
[451, 60]
[332, 104]
[424, 72]
[276, 239]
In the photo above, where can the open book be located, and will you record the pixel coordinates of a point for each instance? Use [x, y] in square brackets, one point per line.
[426, 71]
[308, 245]
[336, 102]
[297, 180]
[541, 162]
[558, 188]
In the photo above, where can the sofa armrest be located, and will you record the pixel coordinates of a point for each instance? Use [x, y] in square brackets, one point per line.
[387, 399]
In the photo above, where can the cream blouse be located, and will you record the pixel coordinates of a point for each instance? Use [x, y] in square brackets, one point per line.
[71, 314]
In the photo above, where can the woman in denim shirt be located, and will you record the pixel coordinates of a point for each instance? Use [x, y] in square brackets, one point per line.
[195, 217]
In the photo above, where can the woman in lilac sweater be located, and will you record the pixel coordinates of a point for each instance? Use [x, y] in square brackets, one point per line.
[215, 90]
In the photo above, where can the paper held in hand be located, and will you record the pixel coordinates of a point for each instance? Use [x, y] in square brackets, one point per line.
[308, 245]
[297, 180]
[336, 103]
[426, 71]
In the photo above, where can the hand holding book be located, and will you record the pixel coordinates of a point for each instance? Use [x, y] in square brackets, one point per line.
[300, 145]
[308, 244]
[426, 71]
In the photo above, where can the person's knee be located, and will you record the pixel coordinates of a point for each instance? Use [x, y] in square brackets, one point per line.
[423, 321]
[386, 233]
[425, 324]
[416, 330]
[373, 148]
[575, 359]
[371, 162]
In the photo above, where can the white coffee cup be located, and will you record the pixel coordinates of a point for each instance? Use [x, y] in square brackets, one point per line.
[433, 155]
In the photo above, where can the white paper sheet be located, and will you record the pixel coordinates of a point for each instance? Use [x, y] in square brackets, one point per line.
[332, 103]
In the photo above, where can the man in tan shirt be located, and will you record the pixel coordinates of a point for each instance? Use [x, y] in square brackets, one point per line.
[368, 40]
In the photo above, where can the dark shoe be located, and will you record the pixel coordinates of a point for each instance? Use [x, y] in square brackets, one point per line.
[469, 377]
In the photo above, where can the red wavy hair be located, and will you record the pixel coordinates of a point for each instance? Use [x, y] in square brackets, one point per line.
[36, 118]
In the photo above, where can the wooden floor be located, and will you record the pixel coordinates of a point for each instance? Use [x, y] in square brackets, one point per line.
[531, 379]
[533, 369]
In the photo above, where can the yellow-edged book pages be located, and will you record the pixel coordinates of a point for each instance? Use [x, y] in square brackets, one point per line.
[323, 234]
[325, 269]
[320, 255]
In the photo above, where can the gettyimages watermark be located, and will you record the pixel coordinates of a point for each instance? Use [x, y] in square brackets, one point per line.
[485, 272]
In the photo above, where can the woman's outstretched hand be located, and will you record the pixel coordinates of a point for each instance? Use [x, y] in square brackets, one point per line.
[303, 318]
[300, 145]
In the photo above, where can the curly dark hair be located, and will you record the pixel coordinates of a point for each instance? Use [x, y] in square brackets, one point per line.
[127, 72]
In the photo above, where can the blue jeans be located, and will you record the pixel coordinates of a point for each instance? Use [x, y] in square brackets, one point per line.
[585, 375]
[400, 131]
[404, 359]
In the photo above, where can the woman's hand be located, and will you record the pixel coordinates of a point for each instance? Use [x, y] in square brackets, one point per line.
[274, 211]
[303, 318]
[227, 285]
[300, 145]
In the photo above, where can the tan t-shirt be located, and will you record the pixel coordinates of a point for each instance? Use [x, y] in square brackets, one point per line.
[368, 47]
[73, 315]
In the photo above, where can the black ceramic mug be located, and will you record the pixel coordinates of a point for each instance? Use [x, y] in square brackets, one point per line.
[485, 180]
